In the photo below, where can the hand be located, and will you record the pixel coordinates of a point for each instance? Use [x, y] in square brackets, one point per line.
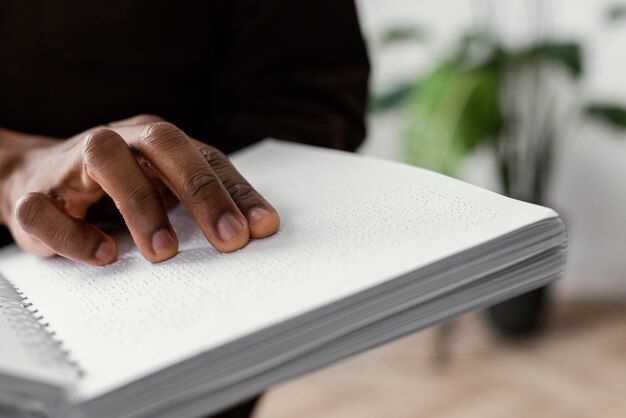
[142, 164]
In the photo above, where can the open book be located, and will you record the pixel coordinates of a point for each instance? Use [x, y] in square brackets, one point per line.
[368, 251]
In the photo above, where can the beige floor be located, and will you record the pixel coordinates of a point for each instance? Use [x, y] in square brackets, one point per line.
[577, 369]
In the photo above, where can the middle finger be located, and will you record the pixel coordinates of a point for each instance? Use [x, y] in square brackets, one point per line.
[185, 171]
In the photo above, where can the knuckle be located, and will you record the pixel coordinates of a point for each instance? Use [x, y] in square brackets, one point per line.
[216, 159]
[28, 211]
[201, 186]
[213, 155]
[159, 134]
[140, 196]
[145, 119]
[100, 143]
[239, 189]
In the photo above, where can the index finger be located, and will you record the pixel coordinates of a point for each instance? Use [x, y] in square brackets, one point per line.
[183, 169]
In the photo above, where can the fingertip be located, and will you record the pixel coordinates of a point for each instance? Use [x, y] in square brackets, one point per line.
[263, 222]
[164, 245]
[233, 233]
[106, 252]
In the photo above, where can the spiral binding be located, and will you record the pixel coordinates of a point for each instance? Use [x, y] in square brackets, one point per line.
[34, 333]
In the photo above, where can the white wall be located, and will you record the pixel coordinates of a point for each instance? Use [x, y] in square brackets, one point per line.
[590, 183]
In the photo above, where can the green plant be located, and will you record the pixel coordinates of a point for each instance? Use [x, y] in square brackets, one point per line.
[513, 100]
[479, 96]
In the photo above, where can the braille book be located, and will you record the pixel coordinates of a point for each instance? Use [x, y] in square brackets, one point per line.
[367, 252]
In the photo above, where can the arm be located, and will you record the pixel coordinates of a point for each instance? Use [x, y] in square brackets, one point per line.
[294, 70]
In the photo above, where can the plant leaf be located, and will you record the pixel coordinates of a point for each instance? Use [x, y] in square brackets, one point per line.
[614, 115]
[403, 33]
[454, 111]
[568, 54]
[391, 99]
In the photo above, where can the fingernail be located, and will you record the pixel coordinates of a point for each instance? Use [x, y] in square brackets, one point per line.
[162, 241]
[229, 227]
[104, 253]
[256, 214]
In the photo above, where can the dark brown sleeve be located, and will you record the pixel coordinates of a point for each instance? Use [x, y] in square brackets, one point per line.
[294, 70]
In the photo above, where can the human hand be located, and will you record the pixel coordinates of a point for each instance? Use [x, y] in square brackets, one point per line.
[142, 164]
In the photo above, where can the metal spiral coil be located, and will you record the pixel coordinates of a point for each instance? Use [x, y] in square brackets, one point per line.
[34, 333]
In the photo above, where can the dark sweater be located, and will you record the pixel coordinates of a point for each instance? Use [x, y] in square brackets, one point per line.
[227, 72]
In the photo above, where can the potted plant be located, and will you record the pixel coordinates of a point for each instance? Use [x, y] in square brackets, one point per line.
[513, 100]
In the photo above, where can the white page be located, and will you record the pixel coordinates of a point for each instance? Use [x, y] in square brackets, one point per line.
[348, 223]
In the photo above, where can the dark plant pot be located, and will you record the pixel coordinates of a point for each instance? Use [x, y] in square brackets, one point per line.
[521, 316]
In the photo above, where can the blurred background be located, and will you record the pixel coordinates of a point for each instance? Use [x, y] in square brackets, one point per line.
[586, 67]
[527, 98]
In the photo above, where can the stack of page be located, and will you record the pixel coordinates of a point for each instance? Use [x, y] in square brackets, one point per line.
[368, 251]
